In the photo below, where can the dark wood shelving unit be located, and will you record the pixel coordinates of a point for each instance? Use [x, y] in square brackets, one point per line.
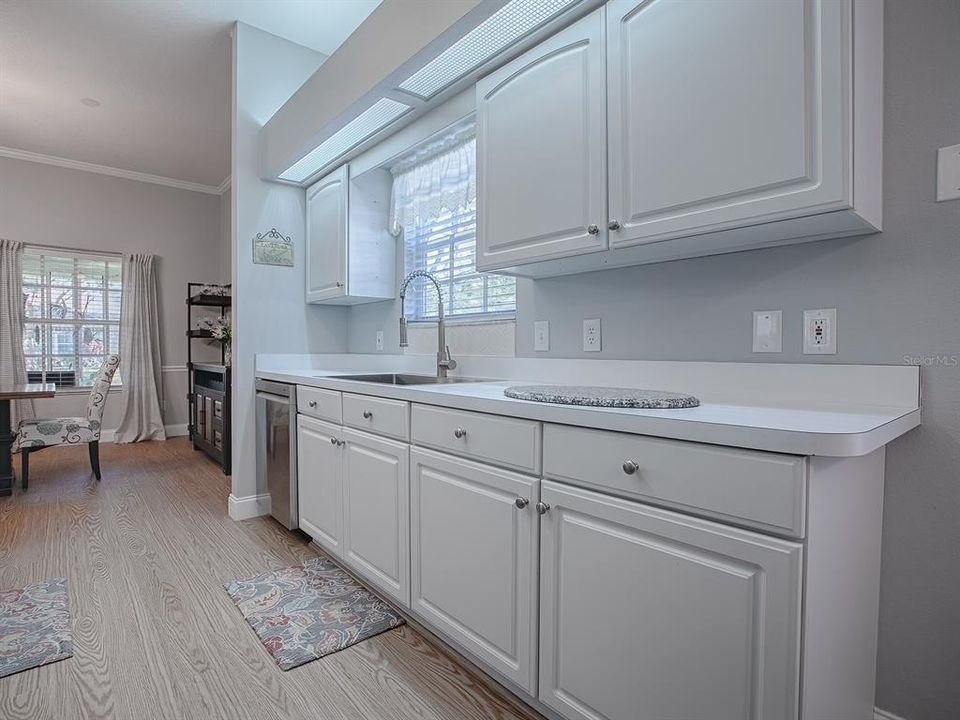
[209, 385]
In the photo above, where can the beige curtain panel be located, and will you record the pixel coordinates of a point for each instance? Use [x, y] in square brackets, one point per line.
[13, 366]
[141, 417]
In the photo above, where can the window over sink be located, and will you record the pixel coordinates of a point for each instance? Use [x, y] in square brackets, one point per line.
[434, 209]
[71, 314]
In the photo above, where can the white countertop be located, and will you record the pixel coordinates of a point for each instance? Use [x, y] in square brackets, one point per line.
[851, 430]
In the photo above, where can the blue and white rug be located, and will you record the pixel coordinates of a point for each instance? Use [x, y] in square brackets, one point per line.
[34, 626]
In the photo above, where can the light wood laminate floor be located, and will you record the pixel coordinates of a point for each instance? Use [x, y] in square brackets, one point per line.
[146, 552]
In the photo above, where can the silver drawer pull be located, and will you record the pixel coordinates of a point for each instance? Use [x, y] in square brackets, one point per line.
[630, 467]
[542, 508]
[367, 414]
[312, 403]
[521, 502]
[459, 433]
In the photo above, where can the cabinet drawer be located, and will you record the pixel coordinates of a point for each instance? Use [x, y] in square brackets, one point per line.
[758, 489]
[377, 415]
[510, 442]
[318, 403]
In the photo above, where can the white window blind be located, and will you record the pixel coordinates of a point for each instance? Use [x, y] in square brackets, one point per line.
[435, 207]
[71, 314]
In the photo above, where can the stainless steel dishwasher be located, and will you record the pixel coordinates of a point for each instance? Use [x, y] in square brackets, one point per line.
[277, 448]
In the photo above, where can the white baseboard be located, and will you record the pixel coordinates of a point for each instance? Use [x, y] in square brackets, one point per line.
[879, 714]
[251, 506]
[178, 430]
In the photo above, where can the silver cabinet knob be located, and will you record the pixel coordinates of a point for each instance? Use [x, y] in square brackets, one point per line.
[593, 229]
[459, 432]
[542, 508]
[334, 441]
[339, 284]
[312, 403]
[630, 467]
[341, 443]
[614, 225]
[521, 502]
[367, 414]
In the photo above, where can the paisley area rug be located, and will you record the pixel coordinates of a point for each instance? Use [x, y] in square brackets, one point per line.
[34, 626]
[304, 612]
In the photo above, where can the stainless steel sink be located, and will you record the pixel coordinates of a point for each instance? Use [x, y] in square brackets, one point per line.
[405, 379]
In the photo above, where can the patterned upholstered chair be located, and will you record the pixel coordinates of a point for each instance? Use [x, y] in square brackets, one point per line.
[34, 435]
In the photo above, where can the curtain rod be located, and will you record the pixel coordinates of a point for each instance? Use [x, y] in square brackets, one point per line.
[73, 251]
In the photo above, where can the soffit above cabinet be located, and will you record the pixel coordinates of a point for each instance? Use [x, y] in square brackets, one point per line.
[410, 62]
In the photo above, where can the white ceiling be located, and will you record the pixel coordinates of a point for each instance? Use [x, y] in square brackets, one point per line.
[160, 69]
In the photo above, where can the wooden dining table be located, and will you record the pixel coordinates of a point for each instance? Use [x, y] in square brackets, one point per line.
[26, 391]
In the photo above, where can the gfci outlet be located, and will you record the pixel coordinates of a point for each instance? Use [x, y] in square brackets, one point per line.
[591, 335]
[820, 332]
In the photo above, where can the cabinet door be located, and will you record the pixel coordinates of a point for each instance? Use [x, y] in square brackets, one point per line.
[376, 512]
[319, 482]
[474, 559]
[327, 236]
[725, 114]
[647, 614]
[541, 151]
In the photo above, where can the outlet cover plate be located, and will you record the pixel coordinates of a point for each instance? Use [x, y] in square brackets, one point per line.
[592, 339]
[767, 331]
[820, 332]
[541, 336]
[379, 339]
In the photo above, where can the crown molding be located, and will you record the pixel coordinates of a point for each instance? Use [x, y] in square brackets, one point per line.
[16, 154]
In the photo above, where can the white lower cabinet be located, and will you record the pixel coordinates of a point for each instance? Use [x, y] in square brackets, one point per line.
[376, 512]
[474, 547]
[646, 614]
[319, 481]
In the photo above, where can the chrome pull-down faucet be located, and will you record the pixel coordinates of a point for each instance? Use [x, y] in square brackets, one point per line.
[444, 361]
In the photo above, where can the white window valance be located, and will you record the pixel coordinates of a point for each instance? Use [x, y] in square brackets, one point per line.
[438, 176]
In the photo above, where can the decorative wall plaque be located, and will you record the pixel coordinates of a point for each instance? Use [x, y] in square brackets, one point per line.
[272, 248]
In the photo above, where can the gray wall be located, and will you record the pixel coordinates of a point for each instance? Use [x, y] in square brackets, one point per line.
[269, 312]
[897, 294]
[48, 205]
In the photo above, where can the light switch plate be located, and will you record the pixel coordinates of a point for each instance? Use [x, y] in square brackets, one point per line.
[948, 173]
[767, 331]
[541, 335]
[820, 332]
[379, 339]
[591, 335]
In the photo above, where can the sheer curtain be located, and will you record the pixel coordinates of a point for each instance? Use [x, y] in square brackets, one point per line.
[13, 366]
[440, 175]
[141, 417]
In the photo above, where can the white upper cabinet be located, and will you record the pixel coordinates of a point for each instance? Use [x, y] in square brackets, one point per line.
[541, 151]
[723, 113]
[730, 125]
[351, 256]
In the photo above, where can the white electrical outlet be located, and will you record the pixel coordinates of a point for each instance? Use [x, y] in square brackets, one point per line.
[820, 332]
[379, 339]
[591, 335]
[541, 335]
[767, 331]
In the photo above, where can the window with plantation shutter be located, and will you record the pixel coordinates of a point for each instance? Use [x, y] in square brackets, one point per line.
[71, 314]
[434, 206]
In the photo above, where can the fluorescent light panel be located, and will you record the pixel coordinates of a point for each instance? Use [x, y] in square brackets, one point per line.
[365, 125]
[509, 24]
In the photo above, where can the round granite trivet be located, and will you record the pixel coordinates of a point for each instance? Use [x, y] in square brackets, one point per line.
[602, 396]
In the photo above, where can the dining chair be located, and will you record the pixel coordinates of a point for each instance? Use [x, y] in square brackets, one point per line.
[37, 434]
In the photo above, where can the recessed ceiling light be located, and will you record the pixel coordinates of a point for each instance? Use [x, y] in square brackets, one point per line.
[364, 126]
[90, 102]
[508, 25]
